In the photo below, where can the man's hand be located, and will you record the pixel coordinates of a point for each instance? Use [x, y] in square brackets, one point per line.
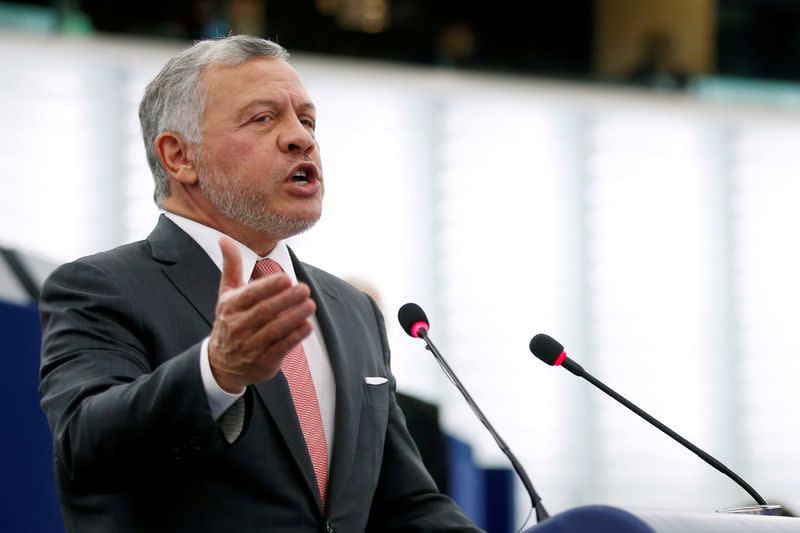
[256, 325]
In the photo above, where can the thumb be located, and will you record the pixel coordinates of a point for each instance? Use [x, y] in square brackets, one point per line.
[231, 265]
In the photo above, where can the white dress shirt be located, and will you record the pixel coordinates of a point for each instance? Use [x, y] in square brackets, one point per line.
[317, 354]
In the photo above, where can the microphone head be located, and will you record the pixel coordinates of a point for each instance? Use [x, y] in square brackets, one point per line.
[547, 349]
[412, 318]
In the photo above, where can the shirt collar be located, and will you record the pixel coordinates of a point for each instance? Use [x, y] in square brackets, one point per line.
[208, 239]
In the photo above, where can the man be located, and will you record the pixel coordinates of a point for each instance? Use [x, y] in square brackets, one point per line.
[183, 396]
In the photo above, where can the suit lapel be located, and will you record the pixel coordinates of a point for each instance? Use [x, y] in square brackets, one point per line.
[188, 266]
[332, 316]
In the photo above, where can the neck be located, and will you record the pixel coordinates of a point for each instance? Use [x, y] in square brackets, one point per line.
[198, 208]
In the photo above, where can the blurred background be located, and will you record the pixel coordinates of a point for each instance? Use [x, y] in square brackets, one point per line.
[622, 175]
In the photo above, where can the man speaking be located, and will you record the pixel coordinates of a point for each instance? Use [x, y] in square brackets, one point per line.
[205, 379]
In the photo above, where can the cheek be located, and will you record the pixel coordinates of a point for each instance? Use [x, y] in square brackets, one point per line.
[241, 154]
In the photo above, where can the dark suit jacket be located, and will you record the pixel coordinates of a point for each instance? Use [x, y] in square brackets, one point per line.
[136, 448]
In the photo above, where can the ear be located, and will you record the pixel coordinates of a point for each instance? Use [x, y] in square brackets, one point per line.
[173, 151]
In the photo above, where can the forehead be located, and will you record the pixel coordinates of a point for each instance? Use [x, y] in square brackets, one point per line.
[257, 78]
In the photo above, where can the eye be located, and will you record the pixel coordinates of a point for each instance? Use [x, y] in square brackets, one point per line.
[308, 122]
[260, 119]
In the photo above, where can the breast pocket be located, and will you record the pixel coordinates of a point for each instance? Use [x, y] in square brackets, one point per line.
[376, 396]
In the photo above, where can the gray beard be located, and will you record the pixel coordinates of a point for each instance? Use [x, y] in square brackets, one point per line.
[241, 202]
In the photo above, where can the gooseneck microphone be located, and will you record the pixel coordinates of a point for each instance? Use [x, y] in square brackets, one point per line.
[414, 322]
[551, 351]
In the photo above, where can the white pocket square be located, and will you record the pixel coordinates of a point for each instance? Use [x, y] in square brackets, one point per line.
[375, 380]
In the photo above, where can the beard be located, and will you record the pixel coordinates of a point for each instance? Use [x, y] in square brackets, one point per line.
[244, 203]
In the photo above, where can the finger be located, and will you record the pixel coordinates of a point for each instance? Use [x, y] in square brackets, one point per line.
[267, 307]
[260, 290]
[249, 320]
[294, 338]
[282, 346]
[280, 327]
[231, 265]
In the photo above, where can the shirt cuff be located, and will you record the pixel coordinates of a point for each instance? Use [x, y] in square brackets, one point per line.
[218, 399]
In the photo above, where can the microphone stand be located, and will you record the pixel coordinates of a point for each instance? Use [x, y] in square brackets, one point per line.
[536, 500]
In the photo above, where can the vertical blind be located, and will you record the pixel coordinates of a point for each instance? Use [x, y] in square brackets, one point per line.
[650, 267]
[766, 188]
[500, 237]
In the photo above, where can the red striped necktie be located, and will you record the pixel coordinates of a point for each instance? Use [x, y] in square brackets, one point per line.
[304, 395]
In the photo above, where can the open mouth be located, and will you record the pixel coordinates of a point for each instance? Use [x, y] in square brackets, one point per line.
[304, 173]
[301, 176]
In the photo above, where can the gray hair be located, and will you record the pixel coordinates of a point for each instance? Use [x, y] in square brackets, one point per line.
[176, 98]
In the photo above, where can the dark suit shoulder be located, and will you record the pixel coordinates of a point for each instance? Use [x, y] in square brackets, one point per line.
[118, 259]
[124, 264]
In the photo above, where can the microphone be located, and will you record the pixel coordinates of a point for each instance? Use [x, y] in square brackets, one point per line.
[550, 351]
[414, 322]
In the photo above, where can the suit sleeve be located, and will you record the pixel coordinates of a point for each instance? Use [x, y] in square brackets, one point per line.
[109, 409]
[406, 498]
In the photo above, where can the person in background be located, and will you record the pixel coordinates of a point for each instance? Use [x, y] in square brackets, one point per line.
[205, 379]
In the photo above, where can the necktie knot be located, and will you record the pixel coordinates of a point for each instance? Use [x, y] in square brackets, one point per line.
[265, 267]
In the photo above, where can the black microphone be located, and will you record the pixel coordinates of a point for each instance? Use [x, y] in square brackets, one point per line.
[414, 322]
[552, 352]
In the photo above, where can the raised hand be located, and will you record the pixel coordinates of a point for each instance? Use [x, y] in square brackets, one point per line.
[256, 323]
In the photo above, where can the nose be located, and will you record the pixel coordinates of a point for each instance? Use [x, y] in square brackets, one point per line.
[295, 137]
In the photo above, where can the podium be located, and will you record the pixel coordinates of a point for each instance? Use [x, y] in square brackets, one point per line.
[608, 519]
